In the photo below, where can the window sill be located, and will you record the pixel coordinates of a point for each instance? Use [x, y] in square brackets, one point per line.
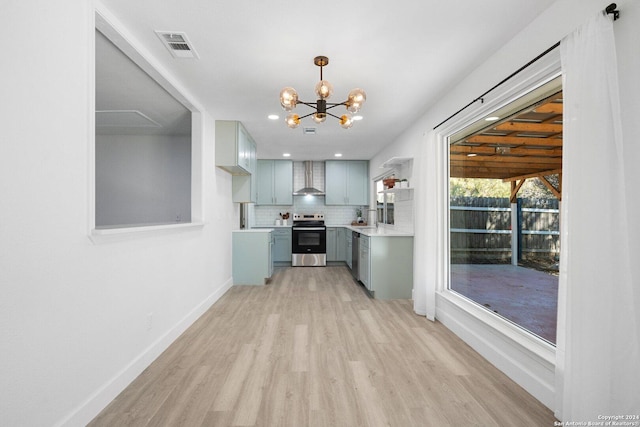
[121, 232]
[521, 337]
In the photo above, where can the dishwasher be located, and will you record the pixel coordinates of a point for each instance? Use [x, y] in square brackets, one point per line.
[355, 251]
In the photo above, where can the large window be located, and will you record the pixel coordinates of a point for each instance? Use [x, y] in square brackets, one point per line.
[504, 191]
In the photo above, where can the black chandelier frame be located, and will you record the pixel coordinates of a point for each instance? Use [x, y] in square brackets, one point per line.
[321, 105]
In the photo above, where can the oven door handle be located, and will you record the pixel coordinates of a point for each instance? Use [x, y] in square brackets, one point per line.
[309, 228]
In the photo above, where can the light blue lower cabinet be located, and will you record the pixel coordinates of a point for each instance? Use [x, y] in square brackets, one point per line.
[332, 252]
[252, 256]
[389, 267]
[385, 262]
[341, 244]
[365, 262]
[282, 245]
[336, 244]
[349, 245]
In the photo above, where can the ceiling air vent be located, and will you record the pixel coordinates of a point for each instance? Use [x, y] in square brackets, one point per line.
[177, 43]
[309, 131]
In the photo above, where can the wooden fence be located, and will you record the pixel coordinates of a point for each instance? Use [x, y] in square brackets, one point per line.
[481, 229]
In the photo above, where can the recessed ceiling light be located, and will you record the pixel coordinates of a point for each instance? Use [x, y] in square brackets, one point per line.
[273, 117]
[337, 155]
[471, 155]
[286, 154]
[357, 118]
[492, 118]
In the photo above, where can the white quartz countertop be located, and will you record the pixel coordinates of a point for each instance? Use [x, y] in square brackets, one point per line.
[254, 230]
[371, 230]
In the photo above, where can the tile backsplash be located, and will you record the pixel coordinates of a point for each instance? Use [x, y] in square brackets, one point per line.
[266, 215]
[403, 216]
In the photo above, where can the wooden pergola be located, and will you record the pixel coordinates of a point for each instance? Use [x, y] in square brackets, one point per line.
[525, 145]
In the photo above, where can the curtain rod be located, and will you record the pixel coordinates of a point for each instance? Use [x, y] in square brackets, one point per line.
[611, 9]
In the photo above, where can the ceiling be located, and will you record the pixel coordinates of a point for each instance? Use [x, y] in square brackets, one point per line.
[524, 145]
[404, 54]
[129, 102]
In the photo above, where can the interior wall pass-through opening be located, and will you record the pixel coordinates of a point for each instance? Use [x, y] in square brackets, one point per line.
[144, 160]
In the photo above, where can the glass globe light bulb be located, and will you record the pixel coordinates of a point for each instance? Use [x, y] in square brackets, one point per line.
[324, 89]
[346, 121]
[319, 117]
[356, 98]
[292, 120]
[288, 98]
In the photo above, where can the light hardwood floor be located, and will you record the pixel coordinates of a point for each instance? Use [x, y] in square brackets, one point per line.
[312, 349]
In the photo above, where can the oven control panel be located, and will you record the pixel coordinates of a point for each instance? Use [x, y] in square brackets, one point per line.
[308, 217]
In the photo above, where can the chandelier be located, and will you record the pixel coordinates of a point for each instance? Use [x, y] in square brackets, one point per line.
[324, 89]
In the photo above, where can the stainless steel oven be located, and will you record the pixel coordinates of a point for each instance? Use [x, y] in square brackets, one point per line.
[309, 241]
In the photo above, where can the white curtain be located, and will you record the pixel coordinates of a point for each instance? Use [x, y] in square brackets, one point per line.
[598, 359]
[430, 224]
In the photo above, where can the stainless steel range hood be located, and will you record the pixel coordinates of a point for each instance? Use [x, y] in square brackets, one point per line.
[309, 189]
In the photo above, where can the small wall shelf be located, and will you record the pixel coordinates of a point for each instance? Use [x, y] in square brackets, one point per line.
[395, 190]
[401, 194]
[395, 162]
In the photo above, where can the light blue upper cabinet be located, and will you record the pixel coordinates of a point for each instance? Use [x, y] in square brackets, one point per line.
[347, 182]
[264, 177]
[358, 183]
[243, 187]
[335, 182]
[236, 153]
[234, 147]
[283, 182]
[244, 149]
[275, 182]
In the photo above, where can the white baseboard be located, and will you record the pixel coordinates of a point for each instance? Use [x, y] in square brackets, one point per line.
[529, 363]
[95, 403]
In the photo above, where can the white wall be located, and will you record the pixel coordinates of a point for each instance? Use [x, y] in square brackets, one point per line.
[143, 179]
[534, 374]
[73, 314]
